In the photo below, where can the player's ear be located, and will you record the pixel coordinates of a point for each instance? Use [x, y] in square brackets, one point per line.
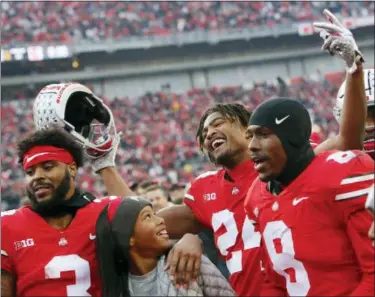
[72, 168]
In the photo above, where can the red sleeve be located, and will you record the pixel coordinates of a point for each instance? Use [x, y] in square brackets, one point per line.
[350, 201]
[6, 244]
[192, 199]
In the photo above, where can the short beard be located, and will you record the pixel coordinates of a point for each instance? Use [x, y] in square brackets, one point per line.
[58, 197]
[225, 160]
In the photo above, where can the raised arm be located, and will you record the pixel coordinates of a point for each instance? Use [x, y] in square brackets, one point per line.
[114, 183]
[339, 41]
[106, 168]
[352, 121]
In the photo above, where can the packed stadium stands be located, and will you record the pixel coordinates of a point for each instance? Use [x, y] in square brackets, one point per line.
[68, 22]
[159, 130]
[159, 126]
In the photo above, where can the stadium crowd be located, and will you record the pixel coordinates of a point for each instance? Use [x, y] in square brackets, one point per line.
[167, 152]
[65, 21]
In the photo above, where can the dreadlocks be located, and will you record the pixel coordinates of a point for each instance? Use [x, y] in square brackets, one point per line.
[231, 111]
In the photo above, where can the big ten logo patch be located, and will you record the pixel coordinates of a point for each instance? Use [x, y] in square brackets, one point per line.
[209, 196]
[24, 243]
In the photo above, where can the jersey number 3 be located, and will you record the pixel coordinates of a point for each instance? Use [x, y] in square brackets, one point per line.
[75, 263]
[251, 239]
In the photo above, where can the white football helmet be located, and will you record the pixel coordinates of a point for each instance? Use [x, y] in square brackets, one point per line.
[79, 111]
[369, 88]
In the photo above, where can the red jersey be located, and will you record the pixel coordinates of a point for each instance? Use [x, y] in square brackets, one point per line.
[315, 230]
[219, 204]
[51, 262]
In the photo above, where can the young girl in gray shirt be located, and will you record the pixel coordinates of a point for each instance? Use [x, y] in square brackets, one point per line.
[132, 243]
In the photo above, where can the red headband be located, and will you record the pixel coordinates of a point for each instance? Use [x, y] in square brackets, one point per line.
[43, 153]
[112, 208]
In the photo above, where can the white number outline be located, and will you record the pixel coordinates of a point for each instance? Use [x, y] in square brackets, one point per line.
[286, 259]
[251, 239]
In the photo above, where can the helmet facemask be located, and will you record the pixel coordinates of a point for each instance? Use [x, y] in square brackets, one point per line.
[94, 125]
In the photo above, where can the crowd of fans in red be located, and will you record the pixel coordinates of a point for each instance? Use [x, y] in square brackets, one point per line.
[64, 21]
[159, 131]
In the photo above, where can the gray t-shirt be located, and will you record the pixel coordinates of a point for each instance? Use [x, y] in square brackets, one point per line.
[144, 285]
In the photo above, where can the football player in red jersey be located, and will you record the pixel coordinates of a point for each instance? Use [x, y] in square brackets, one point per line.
[95, 131]
[48, 248]
[309, 207]
[215, 199]
[333, 32]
